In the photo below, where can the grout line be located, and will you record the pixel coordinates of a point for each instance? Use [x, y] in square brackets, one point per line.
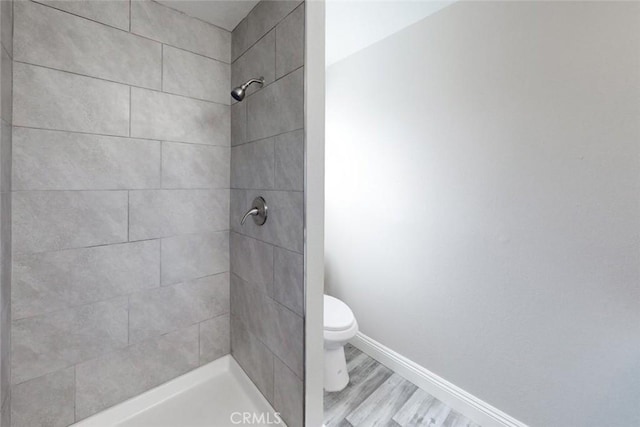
[71, 307]
[264, 241]
[49, 6]
[201, 144]
[244, 326]
[192, 17]
[86, 190]
[226, 230]
[197, 54]
[130, 85]
[266, 32]
[269, 84]
[130, 16]
[6, 51]
[256, 288]
[114, 297]
[107, 353]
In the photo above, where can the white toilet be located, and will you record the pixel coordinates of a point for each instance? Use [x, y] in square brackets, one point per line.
[339, 327]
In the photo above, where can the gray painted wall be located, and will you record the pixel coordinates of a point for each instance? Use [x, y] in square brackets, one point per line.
[121, 169]
[267, 159]
[483, 203]
[6, 107]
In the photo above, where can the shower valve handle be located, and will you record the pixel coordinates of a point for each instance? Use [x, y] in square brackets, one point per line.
[258, 211]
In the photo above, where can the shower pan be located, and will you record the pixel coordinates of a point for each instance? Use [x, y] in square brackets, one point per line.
[137, 297]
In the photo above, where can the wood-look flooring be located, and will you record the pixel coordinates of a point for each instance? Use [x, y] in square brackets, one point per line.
[376, 396]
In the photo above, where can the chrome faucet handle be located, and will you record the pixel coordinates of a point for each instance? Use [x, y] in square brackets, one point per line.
[258, 211]
[253, 211]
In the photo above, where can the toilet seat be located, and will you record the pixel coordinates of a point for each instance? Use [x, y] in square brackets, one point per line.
[337, 315]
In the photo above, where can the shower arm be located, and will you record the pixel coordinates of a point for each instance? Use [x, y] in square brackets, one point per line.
[247, 84]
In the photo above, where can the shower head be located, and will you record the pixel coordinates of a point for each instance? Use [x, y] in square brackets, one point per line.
[239, 92]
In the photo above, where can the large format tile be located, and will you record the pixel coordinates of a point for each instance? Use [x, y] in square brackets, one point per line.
[252, 261]
[289, 149]
[45, 401]
[195, 76]
[259, 61]
[277, 108]
[50, 220]
[260, 20]
[157, 115]
[54, 160]
[238, 123]
[158, 311]
[287, 338]
[239, 39]
[51, 99]
[284, 226]
[288, 282]
[195, 166]
[71, 43]
[288, 394]
[44, 344]
[157, 22]
[253, 356]
[253, 308]
[164, 213]
[253, 165]
[113, 12]
[51, 281]
[114, 377]
[290, 42]
[194, 255]
[215, 338]
[275, 325]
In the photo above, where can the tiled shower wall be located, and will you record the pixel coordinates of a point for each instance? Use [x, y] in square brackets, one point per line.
[121, 169]
[267, 159]
[6, 76]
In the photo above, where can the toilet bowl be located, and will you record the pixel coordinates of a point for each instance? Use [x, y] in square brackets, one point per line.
[339, 327]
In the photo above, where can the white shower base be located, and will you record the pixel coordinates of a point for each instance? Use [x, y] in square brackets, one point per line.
[204, 397]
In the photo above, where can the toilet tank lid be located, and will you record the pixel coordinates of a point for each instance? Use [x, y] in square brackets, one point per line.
[337, 315]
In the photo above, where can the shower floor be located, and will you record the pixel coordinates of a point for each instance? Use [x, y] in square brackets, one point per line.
[216, 394]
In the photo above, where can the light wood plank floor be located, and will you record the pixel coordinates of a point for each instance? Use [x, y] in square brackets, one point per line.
[376, 396]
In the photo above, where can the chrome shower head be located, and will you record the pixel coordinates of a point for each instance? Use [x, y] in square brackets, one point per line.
[239, 92]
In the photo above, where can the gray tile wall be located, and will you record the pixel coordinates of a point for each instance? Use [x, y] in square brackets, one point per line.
[267, 159]
[120, 203]
[6, 119]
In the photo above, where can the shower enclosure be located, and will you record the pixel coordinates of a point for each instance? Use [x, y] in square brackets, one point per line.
[126, 167]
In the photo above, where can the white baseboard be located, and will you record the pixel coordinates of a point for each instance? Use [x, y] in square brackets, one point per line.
[458, 399]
